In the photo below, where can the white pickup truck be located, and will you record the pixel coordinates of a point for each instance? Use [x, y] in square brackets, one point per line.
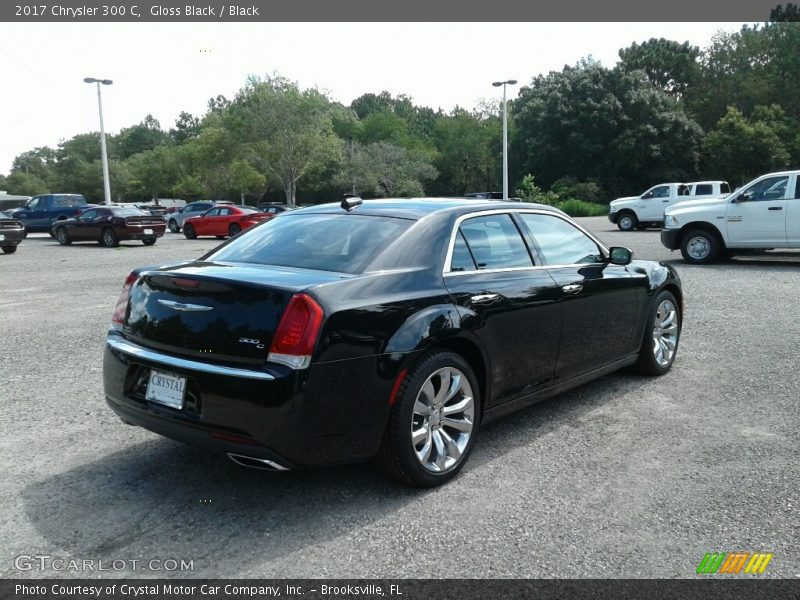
[647, 210]
[762, 215]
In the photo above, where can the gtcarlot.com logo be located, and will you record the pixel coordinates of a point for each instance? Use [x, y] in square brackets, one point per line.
[734, 562]
[46, 562]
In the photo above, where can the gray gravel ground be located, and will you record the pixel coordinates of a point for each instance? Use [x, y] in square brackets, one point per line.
[623, 477]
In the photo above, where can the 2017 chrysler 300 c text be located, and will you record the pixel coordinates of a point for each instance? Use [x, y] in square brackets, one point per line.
[389, 328]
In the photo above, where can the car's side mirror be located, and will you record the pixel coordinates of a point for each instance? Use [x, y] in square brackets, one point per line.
[647, 196]
[618, 255]
[746, 197]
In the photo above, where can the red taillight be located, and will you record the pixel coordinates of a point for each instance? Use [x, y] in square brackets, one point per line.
[296, 336]
[124, 296]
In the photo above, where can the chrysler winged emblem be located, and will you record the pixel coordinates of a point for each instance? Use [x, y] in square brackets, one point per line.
[184, 307]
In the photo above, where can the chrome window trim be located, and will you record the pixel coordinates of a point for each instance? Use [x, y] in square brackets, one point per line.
[446, 272]
[125, 347]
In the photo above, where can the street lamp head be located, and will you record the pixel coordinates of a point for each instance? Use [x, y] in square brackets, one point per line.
[89, 80]
[109, 82]
[508, 81]
[93, 80]
[495, 84]
[512, 82]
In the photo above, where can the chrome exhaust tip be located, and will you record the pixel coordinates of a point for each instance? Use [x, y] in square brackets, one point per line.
[256, 463]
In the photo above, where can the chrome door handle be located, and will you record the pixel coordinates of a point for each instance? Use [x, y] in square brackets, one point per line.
[572, 288]
[484, 298]
[775, 208]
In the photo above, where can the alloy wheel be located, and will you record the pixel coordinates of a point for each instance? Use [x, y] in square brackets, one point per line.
[665, 333]
[442, 420]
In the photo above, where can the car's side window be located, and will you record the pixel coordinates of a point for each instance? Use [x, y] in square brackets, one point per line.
[462, 258]
[34, 204]
[560, 242]
[89, 215]
[797, 187]
[660, 192]
[495, 242]
[213, 212]
[225, 212]
[771, 188]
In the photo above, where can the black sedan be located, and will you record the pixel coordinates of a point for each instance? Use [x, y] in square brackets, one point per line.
[12, 232]
[388, 328]
[108, 225]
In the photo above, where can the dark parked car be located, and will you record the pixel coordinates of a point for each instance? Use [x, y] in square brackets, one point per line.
[273, 210]
[41, 212]
[12, 232]
[109, 225]
[390, 328]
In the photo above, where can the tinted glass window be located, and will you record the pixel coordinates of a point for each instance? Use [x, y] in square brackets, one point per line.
[462, 259]
[705, 189]
[561, 243]
[61, 201]
[89, 215]
[225, 211]
[660, 192]
[329, 242]
[725, 188]
[128, 212]
[495, 242]
[771, 188]
[34, 204]
[212, 213]
[797, 187]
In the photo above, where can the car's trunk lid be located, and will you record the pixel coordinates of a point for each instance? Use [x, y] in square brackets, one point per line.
[215, 311]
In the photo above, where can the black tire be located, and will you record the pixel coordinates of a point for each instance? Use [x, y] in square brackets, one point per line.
[62, 235]
[9, 249]
[234, 229]
[149, 241]
[189, 232]
[649, 362]
[627, 221]
[108, 238]
[173, 226]
[398, 455]
[700, 247]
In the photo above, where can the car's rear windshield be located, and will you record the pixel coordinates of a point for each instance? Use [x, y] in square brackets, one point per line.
[344, 243]
[129, 212]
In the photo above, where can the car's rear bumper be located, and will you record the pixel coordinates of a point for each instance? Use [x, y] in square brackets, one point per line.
[11, 237]
[137, 233]
[671, 238]
[330, 413]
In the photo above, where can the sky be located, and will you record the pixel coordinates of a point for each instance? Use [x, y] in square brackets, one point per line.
[165, 68]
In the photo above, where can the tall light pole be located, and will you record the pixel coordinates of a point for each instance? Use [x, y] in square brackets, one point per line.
[505, 133]
[106, 182]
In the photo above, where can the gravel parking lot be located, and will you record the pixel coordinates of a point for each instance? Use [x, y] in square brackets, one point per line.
[623, 477]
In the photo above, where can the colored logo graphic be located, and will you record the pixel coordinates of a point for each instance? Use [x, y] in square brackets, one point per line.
[734, 562]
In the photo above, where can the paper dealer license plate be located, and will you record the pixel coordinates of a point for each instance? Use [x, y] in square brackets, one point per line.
[166, 388]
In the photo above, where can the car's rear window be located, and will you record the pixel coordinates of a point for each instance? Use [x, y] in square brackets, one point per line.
[129, 212]
[344, 243]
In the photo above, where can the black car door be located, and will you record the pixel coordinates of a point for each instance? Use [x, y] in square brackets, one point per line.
[80, 229]
[599, 300]
[512, 305]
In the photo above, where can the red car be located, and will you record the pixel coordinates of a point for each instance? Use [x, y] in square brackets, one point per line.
[222, 221]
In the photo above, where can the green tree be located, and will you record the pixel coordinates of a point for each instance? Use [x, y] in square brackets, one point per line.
[469, 153]
[384, 170]
[612, 127]
[671, 66]
[186, 127]
[140, 137]
[738, 149]
[245, 179]
[25, 184]
[290, 131]
[153, 172]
